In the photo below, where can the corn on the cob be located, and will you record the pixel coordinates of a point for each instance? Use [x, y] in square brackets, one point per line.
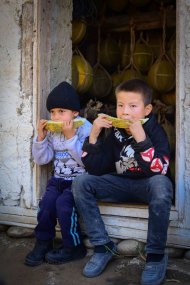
[57, 126]
[78, 122]
[121, 123]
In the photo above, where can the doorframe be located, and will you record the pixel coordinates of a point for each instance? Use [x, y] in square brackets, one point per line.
[41, 87]
[180, 90]
[41, 80]
[45, 13]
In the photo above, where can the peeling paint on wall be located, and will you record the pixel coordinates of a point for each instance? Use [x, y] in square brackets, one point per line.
[16, 129]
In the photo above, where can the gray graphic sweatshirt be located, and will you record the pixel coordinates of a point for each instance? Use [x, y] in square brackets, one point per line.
[65, 153]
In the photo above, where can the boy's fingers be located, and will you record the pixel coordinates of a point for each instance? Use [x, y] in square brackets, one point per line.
[43, 122]
[108, 122]
[102, 116]
[67, 124]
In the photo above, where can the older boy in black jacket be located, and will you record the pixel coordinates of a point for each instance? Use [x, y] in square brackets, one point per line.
[127, 165]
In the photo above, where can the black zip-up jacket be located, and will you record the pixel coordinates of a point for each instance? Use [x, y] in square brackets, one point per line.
[120, 153]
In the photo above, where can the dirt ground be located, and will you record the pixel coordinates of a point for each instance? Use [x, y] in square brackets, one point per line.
[119, 272]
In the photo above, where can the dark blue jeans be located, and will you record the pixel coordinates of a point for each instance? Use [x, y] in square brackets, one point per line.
[156, 191]
[58, 203]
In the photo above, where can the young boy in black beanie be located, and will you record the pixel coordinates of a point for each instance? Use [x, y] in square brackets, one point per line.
[57, 203]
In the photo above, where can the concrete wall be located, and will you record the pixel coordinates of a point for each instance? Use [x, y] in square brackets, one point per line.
[16, 128]
[25, 59]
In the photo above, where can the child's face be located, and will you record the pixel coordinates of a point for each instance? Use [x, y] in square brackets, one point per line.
[130, 105]
[59, 114]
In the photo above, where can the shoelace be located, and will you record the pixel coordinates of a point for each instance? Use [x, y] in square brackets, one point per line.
[113, 251]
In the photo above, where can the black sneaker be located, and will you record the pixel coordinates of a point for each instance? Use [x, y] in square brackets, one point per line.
[37, 255]
[65, 254]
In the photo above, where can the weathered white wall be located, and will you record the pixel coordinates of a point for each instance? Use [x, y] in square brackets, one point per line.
[16, 89]
[19, 78]
[15, 113]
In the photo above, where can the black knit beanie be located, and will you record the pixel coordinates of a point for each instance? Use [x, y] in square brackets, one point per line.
[63, 96]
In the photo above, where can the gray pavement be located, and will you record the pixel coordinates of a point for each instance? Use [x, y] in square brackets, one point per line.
[120, 271]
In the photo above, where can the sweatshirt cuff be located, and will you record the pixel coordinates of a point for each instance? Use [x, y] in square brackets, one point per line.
[142, 146]
[91, 148]
[37, 142]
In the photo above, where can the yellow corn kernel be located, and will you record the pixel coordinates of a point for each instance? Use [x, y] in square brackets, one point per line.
[54, 126]
[78, 122]
[121, 123]
[57, 126]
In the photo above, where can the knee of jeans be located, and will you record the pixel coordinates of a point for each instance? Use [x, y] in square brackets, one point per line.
[161, 187]
[78, 184]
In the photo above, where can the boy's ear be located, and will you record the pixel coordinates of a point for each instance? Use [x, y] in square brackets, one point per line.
[75, 113]
[148, 109]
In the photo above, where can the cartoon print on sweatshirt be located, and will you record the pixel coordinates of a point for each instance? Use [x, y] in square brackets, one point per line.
[127, 160]
[65, 165]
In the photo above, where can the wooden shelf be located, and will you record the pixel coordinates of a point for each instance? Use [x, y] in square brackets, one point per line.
[143, 21]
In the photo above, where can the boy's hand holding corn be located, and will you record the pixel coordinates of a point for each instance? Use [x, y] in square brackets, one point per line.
[68, 129]
[99, 123]
[41, 130]
[132, 127]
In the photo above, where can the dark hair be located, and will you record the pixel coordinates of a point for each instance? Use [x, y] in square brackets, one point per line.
[137, 86]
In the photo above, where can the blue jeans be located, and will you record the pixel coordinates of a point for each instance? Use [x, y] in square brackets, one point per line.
[156, 191]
